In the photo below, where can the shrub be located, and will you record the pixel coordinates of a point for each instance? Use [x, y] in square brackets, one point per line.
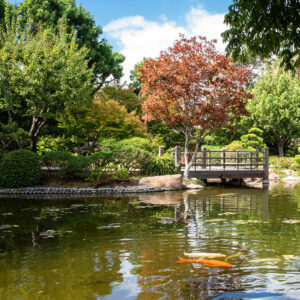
[101, 159]
[20, 168]
[127, 153]
[77, 167]
[160, 165]
[284, 162]
[106, 174]
[48, 143]
[297, 160]
[235, 146]
[69, 166]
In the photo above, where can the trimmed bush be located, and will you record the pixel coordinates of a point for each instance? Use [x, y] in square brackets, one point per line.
[77, 167]
[297, 160]
[160, 165]
[20, 168]
[69, 166]
[235, 146]
[284, 162]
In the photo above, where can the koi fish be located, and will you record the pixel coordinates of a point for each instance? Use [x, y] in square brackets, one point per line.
[204, 254]
[206, 262]
[234, 255]
[274, 260]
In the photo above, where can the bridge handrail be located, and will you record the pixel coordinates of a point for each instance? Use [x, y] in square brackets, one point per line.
[240, 160]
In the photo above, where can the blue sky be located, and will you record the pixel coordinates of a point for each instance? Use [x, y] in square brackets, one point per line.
[139, 29]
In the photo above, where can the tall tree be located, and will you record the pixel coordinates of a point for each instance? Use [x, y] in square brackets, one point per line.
[49, 13]
[193, 89]
[276, 106]
[2, 12]
[42, 74]
[264, 28]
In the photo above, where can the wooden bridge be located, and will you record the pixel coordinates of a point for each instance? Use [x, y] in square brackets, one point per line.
[225, 164]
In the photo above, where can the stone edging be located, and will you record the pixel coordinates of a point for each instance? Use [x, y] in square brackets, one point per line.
[75, 191]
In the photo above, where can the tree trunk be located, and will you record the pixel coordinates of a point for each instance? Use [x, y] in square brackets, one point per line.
[186, 170]
[280, 145]
[33, 143]
[188, 163]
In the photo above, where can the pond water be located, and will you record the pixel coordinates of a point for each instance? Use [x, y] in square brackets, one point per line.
[128, 247]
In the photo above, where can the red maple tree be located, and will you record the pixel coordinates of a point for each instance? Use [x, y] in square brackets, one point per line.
[193, 88]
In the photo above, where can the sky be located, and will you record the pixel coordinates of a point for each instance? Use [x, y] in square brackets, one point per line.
[139, 29]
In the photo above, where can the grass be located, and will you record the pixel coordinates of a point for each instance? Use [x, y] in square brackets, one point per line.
[213, 147]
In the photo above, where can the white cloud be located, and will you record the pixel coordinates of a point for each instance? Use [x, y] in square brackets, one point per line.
[139, 38]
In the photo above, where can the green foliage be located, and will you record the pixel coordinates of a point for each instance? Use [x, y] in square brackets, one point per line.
[253, 139]
[131, 157]
[20, 168]
[263, 28]
[12, 137]
[49, 143]
[54, 76]
[235, 146]
[283, 162]
[101, 159]
[49, 14]
[169, 136]
[107, 174]
[69, 166]
[150, 145]
[125, 96]
[275, 106]
[85, 125]
[160, 165]
[77, 167]
[134, 77]
[297, 160]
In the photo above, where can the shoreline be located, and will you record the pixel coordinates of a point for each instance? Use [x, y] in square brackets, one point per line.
[81, 191]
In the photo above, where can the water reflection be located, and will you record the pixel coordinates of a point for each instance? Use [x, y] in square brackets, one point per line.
[113, 248]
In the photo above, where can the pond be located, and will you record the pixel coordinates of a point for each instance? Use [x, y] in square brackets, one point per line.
[129, 247]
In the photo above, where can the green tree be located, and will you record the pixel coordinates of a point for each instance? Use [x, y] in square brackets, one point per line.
[123, 95]
[49, 14]
[264, 28]
[84, 126]
[2, 12]
[276, 106]
[134, 77]
[42, 74]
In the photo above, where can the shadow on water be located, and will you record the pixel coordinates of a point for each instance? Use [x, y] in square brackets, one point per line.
[128, 247]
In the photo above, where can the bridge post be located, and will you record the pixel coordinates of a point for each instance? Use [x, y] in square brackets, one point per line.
[178, 156]
[204, 155]
[266, 166]
[224, 158]
[257, 159]
[161, 150]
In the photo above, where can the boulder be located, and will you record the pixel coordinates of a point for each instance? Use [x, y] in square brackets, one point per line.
[289, 172]
[273, 176]
[169, 182]
[192, 184]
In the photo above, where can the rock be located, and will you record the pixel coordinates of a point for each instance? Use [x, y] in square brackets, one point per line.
[292, 178]
[169, 182]
[161, 199]
[192, 184]
[273, 175]
[290, 172]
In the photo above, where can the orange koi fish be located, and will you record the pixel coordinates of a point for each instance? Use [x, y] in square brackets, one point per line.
[206, 262]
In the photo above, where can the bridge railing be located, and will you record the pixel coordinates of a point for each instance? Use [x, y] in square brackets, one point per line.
[223, 160]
